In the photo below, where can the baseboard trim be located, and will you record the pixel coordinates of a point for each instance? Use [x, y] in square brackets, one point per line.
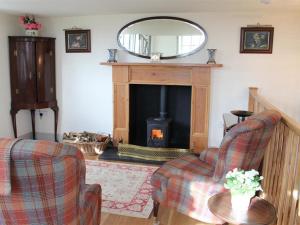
[26, 136]
[41, 136]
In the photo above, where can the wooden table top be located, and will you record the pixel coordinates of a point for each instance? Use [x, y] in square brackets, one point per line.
[260, 211]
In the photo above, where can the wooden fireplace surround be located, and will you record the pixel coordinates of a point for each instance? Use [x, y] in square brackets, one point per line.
[195, 75]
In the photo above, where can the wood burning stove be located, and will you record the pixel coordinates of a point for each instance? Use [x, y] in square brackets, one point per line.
[158, 128]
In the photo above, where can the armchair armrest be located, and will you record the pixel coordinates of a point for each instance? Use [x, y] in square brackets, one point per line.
[90, 204]
[210, 156]
[89, 191]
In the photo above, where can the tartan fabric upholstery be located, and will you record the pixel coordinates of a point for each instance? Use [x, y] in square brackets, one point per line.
[5, 181]
[243, 146]
[48, 187]
[210, 156]
[188, 182]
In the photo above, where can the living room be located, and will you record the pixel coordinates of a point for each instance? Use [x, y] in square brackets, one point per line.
[85, 85]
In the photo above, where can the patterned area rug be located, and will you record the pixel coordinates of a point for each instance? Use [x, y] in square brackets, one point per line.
[126, 188]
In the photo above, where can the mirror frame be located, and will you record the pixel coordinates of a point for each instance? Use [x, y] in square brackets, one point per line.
[163, 17]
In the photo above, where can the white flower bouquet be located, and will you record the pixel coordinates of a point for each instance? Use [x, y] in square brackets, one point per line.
[242, 185]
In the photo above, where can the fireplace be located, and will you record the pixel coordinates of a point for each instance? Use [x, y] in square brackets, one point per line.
[195, 76]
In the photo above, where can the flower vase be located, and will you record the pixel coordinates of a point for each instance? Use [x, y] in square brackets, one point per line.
[240, 201]
[31, 32]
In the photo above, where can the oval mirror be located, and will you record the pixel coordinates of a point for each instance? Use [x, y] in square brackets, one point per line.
[172, 37]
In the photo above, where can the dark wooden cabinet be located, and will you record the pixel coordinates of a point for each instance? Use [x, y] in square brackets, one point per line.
[32, 76]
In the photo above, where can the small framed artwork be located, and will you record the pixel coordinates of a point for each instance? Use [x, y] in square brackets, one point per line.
[256, 40]
[78, 40]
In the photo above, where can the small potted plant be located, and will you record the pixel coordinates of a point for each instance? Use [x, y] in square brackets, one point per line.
[30, 25]
[242, 185]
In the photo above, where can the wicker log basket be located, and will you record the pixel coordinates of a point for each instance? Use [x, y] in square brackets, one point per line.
[88, 143]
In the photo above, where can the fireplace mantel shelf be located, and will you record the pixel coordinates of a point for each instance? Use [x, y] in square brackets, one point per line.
[160, 64]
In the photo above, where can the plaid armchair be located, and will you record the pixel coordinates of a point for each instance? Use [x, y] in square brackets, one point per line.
[188, 182]
[43, 183]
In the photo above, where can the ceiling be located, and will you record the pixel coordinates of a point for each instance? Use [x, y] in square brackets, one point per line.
[88, 7]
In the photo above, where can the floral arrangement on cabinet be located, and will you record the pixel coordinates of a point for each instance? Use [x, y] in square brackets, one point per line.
[242, 185]
[30, 25]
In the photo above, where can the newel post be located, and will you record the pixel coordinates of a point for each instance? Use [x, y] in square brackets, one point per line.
[251, 101]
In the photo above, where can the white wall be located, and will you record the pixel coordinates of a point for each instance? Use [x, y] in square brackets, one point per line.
[85, 87]
[9, 26]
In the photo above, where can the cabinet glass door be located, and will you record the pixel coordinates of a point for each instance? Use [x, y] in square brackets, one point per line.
[45, 59]
[23, 67]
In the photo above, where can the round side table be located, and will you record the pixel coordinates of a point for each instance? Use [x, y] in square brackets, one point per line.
[260, 211]
[241, 114]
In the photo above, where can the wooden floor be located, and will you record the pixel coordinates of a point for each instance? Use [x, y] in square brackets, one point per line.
[167, 216]
[111, 219]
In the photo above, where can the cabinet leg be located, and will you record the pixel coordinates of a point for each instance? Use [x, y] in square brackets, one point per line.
[13, 114]
[33, 123]
[55, 110]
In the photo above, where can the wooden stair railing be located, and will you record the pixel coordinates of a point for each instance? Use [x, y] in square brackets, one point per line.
[281, 166]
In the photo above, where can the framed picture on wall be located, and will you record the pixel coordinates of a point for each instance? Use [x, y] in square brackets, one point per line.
[256, 40]
[78, 40]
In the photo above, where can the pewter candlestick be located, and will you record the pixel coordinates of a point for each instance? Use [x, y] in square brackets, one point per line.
[211, 56]
[112, 55]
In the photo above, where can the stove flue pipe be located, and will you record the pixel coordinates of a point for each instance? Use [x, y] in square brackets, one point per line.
[163, 102]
